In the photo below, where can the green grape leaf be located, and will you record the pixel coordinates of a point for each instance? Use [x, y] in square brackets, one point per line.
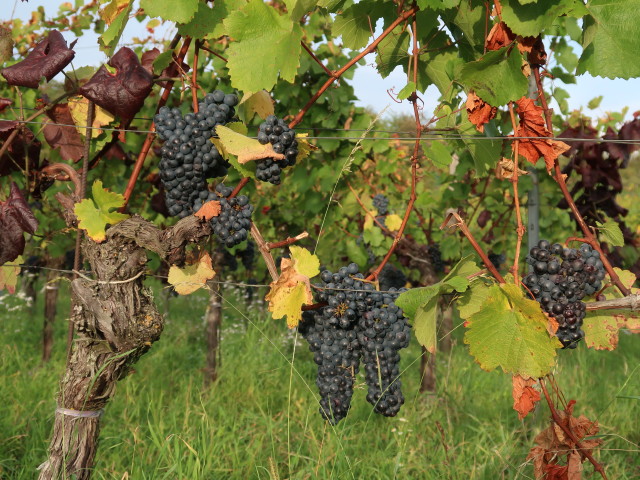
[610, 39]
[438, 66]
[471, 301]
[610, 232]
[594, 102]
[425, 324]
[485, 153]
[9, 274]
[180, 11]
[259, 103]
[392, 51]
[207, 22]
[240, 128]
[298, 8]
[439, 154]
[94, 215]
[529, 20]
[354, 23]
[266, 45]
[510, 332]
[162, 61]
[109, 39]
[497, 77]
[437, 4]
[357, 253]
[406, 91]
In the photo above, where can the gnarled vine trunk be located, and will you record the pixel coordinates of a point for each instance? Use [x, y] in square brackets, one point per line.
[116, 323]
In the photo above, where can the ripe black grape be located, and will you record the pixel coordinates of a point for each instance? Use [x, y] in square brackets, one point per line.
[283, 140]
[381, 203]
[233, 224]
[436, 257]
[562, 278]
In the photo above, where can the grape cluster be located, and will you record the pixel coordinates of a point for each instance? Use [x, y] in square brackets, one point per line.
[248, 255]
[436, 257]
[497, 259]
[188, 156]
[382, 332]
[233, 223]
[561, 278]
[391, 277]
[283, 140]
[381, 203]
[358, 322]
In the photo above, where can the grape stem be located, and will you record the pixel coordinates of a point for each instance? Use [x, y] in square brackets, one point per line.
[589, 236]
[287, 241]
[631, 302]
[558, 421]
[264, 250]
[516, 200]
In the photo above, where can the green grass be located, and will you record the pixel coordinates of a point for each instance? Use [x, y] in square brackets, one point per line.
[261, 421]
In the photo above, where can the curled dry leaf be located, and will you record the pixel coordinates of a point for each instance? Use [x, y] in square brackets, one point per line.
[478, 111]
[504, 169]
[534, 49]
[553, 447]
[532, 124]
[47, 59]
[499, 36]
[122, 94]
[192, 277]
[15, 220]
[60, 136]
[524, 395]
[209, 210]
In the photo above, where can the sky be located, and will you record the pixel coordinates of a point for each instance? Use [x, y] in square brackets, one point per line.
[369, 87]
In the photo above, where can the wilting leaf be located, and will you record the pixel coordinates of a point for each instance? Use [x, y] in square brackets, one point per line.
[293, 289]
[4, 103]
[192, 277]
[79, 108]
[94, 215]
[499, 36]
[47, 59]
[15, 219]
[524, 395]
[245, 148]
[209, 210]
[532, 124]
[9, 275]
[259, 103]
[66, 139]
[124, 93]
[479, 112]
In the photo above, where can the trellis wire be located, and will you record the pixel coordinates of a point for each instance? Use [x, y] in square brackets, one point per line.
[427, 136]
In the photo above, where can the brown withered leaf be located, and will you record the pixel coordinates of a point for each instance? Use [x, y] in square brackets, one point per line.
[66, 139]
[47, 59]
[499, 36]
[24, 145]
[524, 395]
[504, 169]
[552, 446]
[478, 111]
[532, 124]
[534, 48]
[124, 93]
[209, 210]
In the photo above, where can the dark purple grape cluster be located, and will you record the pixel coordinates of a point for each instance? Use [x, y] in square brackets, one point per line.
[358, 322]
[497, 259]
[435, 256]
[381, 203]
[382, 333]
[561, 278]
[188, 156]
[283, 140]
[248, 255]
[233, 224]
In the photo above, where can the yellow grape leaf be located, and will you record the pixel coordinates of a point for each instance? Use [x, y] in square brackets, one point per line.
[209, 210]
[192, 277]
[393, 222]
[245, 148]
[9, 274]
[112, 9]
[259, 102]
[94, 215]
[368, 221]
[79, 106]
[304, 147]
[293, 289]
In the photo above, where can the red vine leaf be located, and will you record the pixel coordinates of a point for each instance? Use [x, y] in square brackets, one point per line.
[67, 139]
[479, 112]
[499, 36]
[122, 94]
[4, 103]
[524, 395]
[47, 59]
[147, 59]
[534, 48]
[15, 219]
[24, 145]
[532, 124]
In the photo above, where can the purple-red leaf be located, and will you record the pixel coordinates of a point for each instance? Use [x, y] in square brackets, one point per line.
[47, 59]
[122, 94]
[4, 103]
[15, 219]
[67, 139]
[148, 58]
[22, 146]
